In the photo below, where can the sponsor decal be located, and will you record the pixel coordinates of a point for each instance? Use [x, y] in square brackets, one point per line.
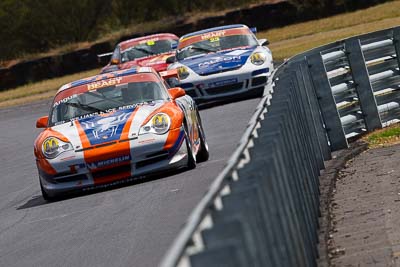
[109, 162]
[64, 100]
[118, 182]
[101, 113]
[68, 158]
[147, 141]
[104, 83]
[222, 83]
[105, 128]
[149, 42]
[209, 35]
[127, 107]
[50, 144]
[214, 39]
[216, 60]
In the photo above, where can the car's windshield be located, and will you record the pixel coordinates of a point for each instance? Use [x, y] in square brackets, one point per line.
[215, 44]
[105, 100]
[147, 48]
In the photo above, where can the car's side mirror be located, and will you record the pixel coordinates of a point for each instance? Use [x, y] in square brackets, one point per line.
[174, 45]
[176, 92]
[170, 60]
[263, 42]
[114, 61]
[42, 122]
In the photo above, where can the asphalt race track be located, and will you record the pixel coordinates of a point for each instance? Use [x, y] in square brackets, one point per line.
[132, 225]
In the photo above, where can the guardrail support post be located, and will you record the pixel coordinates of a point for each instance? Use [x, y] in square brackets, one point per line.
[362, 84]
[315, 116]
[327, 103]
[396, 43]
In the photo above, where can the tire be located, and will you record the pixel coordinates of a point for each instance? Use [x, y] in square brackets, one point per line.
[191, 164]
[203, 154]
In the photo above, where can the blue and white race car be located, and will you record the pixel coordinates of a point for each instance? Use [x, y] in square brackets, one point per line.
[222, 63]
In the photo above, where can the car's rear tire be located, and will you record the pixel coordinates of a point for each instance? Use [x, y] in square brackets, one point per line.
[191, 164]
[203, 154]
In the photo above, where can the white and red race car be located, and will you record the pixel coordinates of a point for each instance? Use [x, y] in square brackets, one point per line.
[116, 126]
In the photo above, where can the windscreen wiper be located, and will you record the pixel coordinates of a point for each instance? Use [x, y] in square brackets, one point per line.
[143, 50]
[203, 49]
[84, 106]
[102, 96]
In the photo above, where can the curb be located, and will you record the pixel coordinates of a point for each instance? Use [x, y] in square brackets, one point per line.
[327, 189]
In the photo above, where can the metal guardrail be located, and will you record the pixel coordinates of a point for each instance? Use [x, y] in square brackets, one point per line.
[263, 209]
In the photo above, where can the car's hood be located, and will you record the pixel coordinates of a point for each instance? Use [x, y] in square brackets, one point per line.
[98, 129]
[158, 62]
[218, 62]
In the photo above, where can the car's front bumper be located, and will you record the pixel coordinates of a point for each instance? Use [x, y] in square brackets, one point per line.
[150, 159]
[225, 85]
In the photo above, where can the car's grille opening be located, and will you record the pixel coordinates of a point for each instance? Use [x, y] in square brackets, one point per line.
[220, 71]
[72, 178]
[112, 171]
[191, 93]
[225, 88]
[261, 71]
[157, 154]
[146, 162]
[258, 81]
[247, 83]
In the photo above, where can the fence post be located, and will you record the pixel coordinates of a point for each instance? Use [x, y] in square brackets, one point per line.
[330, 114]
[315, 115]
[362, 84]
[396, 43]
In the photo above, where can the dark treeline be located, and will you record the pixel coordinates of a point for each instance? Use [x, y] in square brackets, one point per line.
[29, 26]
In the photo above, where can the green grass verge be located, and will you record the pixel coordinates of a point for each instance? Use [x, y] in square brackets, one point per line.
[384, 137]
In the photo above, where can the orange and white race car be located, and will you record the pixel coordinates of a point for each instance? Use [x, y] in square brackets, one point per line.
[114, 127]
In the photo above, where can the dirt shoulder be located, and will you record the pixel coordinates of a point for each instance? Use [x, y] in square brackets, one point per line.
[364, 211]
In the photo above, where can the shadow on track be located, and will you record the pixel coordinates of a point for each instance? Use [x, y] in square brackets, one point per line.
[33, 202]
[257, 93]
[38, 200]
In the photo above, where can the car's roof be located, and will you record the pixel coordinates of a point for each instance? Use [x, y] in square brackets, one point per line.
[149, 37]
[106, 76]
[233, 26]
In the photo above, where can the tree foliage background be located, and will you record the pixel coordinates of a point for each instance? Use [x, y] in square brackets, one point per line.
[30, 26]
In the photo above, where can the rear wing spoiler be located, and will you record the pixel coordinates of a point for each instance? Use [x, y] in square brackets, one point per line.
[105, 55]
[103, 59]
[168, 74]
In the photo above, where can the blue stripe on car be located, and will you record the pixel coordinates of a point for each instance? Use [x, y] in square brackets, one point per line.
[102, 129]
[218, 62]
[177, 144]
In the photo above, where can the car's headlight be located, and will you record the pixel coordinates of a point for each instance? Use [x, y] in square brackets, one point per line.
[183, 72]
[52, 147]
[257, 58]
[159, 124]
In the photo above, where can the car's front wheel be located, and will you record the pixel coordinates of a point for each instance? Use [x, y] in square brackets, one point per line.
[191, 164]
[203, 153]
